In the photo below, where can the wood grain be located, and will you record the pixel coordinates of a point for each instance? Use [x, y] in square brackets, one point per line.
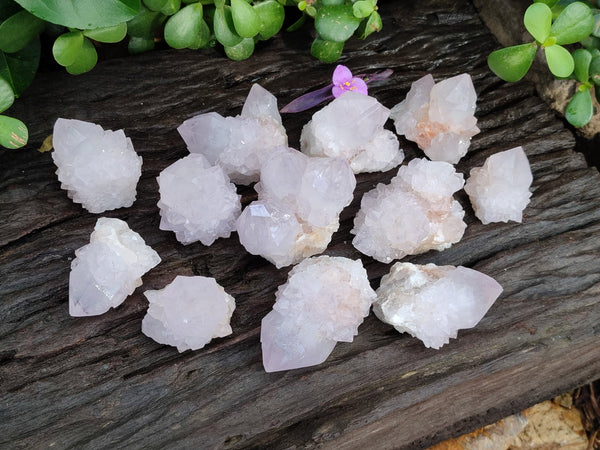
[97, 382]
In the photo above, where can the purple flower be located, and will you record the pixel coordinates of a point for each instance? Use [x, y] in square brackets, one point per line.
[344, 81]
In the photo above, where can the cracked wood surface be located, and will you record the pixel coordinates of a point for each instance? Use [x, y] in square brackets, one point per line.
[98, 382]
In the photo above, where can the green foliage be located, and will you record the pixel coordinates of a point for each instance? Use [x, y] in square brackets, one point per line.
[580, 109]
[538, 20]
[326, 51]
[512, 63]
[336, 23]
[13, 132]
[19, 30]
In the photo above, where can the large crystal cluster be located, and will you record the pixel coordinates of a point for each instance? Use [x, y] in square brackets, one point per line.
[197, 201]
[98, 168]
[240, 144]
[300, 199]
[433, 302]
[188, 313]
[108, 269]
[351, 127]
[415, 213]
[439, 117]
[499, 190]
[324, 300]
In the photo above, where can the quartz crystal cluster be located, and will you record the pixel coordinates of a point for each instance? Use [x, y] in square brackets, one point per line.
[297, 211]
[108, 269]
[351, 127]
[499, 191]
[415, 213]
[98, 168]
[324, 300]
[241, 144]
[433, 302]
[197, 200]
[188, 313]
[439, 117]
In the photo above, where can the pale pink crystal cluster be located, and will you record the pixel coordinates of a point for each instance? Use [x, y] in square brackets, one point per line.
[297, 211]
[433, 302]
[439, 117]
[324, 301]
[413, 214]
[188, 313]
[98, 168]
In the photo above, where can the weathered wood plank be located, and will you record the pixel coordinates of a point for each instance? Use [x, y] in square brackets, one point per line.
[99, 383]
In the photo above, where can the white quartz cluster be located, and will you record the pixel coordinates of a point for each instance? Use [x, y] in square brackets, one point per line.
[415, 213]
[197, 200]
[297, 211]
[188, 313]
[439, 117]
[108, 269]
[433, 302]
[351, 127]
[98, 168]
[323, 301]
[241, 144]
[499, 191]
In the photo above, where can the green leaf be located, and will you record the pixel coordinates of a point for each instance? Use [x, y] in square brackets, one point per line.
[110, 35]
[245, 19]
[86, 59]
[369, 26]
[155, 5]
[183, 28]
[241, 51]
[139, 44]
[19, 30]
[326, 51]
[512, 63]
[560, 62]
[171, 7]
[595, 68]
[224, 29]
[574, 24]
[20, 68]
[538, 20]
[332, 2]
[67, 46]
[145, 23]
[591, 42]
[271, 15]
[362, 8]
[297, 24]
[596, 29]
[202, 38]
[580, 109]
[582, 59]
[13, 132]
[83, 14]
[550, 3]
[336, 23]
[7, 96]
[8, 8]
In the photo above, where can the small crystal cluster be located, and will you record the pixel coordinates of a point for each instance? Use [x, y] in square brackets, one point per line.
[241, 144]
[188, 313]
[324, 301]
[98, 168]
[433, 302]
[300, 199]
[415, 213]
[108, 269]
[439, 117]
[351, 127]
[197, 200]
[499, 191]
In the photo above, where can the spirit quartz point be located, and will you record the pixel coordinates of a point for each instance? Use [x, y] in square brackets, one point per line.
[433, 302]
[188, 313]
[98, 168]
[324, 301]
[108, 269]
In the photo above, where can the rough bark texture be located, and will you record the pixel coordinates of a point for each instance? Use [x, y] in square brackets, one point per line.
[99, 383]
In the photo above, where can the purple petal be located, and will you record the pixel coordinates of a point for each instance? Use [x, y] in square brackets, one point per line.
[337, 91]
[359, 86]
[341, 74]
[307, 101]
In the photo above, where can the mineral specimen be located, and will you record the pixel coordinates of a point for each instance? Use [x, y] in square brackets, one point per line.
[439, 117]
[197, 201]
[188, 313]
[239, 144]
[413, 214]
[98, 168]
[499, 190]
[433, 302]
[300, 199]
[351, 127]
[323, 301]
[108, 269]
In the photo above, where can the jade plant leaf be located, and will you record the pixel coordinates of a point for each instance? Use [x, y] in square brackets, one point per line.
[83, 14]
[13, 132]
[19, 30]
[241, 51]
[582, 59]
[596, 29]
[115, 33]
[336, 23]
[7, 96]
[245, 19]
[512, 63]
[140, 44]
[224, 28]
[144, 23]
[595, 69]
[560, 62]
[574, 24]
[363, 8]
[538, 20]
[19, 68]
[86, 59]
[183, 28]
[67, 46]
[326, 51]
[271, 15]
[580, 109]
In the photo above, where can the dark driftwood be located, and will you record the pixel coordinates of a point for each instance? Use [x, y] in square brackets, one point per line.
[99, 383]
